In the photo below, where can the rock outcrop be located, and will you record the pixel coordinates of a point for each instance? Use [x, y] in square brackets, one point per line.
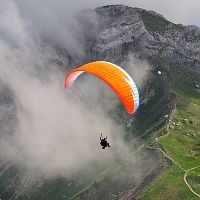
[123, 30]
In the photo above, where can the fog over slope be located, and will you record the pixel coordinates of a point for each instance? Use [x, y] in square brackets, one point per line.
[56, 132]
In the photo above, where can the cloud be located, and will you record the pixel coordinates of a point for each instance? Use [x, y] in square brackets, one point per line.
[55, 22]
[56, 132]
[139, 70]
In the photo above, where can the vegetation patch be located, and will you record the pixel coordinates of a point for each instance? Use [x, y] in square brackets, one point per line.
[181, 143]
[154, 22]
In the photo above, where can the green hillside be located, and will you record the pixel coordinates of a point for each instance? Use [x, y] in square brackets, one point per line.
[182, 142]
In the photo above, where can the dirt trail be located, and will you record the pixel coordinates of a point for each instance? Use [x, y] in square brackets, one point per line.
[188, 185]
[179, 166]
[170, 158]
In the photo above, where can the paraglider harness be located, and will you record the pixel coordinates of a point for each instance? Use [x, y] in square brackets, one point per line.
[104, 142]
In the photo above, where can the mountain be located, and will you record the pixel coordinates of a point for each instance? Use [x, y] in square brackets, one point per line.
[166, 126]
[122, 30]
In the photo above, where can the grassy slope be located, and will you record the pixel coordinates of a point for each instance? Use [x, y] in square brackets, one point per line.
[156, 23]
[170, 186]
[194, 179]
[183, 148]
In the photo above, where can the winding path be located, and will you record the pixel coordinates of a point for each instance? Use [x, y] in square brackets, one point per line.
[186, 182]
[178, 165]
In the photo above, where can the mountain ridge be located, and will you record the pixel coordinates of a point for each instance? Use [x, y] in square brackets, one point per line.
[124, 30]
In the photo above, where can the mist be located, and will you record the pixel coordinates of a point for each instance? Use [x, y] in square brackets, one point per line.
[56, 131]
[140, 70]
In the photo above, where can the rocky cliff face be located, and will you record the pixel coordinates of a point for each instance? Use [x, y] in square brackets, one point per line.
[123, 30]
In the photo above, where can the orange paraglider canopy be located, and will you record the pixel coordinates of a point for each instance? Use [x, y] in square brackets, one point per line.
[115, 77]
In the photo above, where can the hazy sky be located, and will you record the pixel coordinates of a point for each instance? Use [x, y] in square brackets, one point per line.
[179, 11]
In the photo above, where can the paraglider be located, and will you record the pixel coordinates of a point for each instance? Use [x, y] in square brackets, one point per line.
[104, 142]
[115, 77]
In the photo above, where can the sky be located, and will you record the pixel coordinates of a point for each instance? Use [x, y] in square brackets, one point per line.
[180, 11]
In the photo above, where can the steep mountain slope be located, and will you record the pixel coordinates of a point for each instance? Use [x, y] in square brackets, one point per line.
[181, 143]
[123, 30]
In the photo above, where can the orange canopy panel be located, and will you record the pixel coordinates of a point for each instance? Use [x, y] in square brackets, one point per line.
[115, 77]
